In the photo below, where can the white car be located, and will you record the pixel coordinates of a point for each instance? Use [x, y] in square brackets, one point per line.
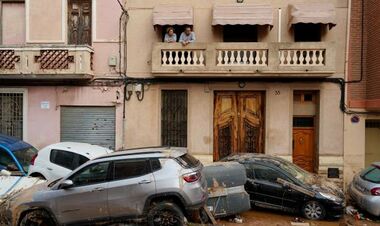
[57, 160]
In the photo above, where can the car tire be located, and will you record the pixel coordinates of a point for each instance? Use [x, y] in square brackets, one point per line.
[37, 218]
[314, 210]
[165, 214]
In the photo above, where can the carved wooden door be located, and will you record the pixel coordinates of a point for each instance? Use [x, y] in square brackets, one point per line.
[79, 22]
[238, 123]
[303, 148]
[250, 122]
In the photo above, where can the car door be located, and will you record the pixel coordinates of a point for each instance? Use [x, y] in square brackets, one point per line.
[61, 163]
[263, 188]
[86, 200]
[132, 183]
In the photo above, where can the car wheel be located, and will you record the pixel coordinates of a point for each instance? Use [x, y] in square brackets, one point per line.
[313, 210]
[165, 214]
[37, 218]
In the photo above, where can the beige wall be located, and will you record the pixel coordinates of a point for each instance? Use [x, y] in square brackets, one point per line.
[141, 34]
[143, 118]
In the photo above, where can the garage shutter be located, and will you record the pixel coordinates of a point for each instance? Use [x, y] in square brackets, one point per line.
[94, 125]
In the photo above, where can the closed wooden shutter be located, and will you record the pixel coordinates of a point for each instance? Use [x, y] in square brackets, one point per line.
[79, 22]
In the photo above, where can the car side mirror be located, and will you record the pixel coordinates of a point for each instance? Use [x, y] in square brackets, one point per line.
[66, 184]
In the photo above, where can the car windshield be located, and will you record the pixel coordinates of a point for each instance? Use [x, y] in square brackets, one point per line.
[24, 156]
[371, 174]
[297, 172]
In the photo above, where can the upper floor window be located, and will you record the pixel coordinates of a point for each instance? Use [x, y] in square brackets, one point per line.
[240, 33]
[307, 32]
[12, 22]
[79, 22]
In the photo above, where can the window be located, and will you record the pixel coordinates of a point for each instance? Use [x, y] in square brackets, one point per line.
[188, 161]
[7, 162]
[11, 114]
[174, 118]
[24, 156]
[156, 165]
[12, 22]
[267, 174]
[240, 33]
[79, 22]
[63, 158]
[371, 174]
[307, 32]
[92, 174]
[130, 168]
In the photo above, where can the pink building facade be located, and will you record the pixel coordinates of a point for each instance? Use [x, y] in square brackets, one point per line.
[55, 59]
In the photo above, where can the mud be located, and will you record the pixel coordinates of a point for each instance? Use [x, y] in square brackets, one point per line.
[259, 217]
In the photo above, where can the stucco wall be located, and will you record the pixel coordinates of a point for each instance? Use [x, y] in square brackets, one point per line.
[13, 23]
[44, 124]
[141, 34]
[143, 118]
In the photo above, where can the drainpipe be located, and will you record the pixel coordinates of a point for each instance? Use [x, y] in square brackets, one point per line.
[279, 24]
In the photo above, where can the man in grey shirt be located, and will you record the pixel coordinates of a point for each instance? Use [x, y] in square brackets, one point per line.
[187, 37]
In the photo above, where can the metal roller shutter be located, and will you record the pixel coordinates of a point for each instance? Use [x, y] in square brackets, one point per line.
[94, 125]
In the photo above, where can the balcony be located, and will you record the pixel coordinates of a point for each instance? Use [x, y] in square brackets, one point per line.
[312, 59]
[46, 62]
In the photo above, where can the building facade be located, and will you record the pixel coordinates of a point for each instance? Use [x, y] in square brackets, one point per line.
[259, 78]
[362, 125]
[52, 54]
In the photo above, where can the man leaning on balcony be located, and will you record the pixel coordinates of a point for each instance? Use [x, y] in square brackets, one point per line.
[187, 37]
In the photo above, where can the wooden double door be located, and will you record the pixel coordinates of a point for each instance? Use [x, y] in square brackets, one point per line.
[238, 123]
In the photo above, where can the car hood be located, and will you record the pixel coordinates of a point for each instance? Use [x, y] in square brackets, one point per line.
[14, 191]
[321, 184]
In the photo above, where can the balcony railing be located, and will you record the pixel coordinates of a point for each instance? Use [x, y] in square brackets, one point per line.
[48, 62]
[172, 59]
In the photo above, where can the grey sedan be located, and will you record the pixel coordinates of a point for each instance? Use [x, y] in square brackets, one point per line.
[365, 189]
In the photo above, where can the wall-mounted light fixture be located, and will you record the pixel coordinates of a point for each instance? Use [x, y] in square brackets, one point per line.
[239, 1]
[128, 91]
[139, 90]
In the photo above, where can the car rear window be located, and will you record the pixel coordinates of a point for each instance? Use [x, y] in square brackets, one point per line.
[371, 174]
[188, 161]
[24, 157]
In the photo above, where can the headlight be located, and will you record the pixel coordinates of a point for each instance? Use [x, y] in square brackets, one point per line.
[330, 196]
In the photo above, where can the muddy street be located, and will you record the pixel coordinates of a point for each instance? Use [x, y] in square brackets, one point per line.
[260, 217]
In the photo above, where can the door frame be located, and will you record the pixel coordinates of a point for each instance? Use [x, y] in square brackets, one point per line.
[263, 113]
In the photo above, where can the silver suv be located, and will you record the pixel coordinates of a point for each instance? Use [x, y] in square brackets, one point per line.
[158, 186]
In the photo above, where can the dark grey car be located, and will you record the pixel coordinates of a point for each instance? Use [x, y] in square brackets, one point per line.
[161, 185]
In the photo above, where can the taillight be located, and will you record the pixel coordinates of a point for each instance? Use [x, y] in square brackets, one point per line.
[375, 191]
[33, 159]
[192, 177]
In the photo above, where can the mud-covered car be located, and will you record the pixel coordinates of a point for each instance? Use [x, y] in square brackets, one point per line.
[278, 184]
[364, 190]
[160, 186]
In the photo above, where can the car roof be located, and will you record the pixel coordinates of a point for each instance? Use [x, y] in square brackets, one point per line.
[376, 164]
[171, 152]
[89, 150]
[13, 143]
[252, 157]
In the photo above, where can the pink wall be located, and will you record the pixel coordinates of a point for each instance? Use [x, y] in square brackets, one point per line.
[13, 23]
[44, 124]
[107, 20]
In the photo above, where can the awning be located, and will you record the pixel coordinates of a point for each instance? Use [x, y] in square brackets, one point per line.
[315, 13]
[172, 15]
[242, 14]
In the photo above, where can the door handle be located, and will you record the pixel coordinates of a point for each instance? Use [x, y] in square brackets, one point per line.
[97, 189]
[49, 168]
[145, 182]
